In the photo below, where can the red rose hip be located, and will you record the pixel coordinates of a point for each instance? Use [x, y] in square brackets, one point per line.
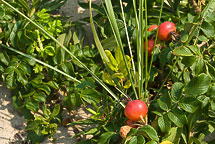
[152, 27]
[165, 29]
[150, 45]
[134, 109]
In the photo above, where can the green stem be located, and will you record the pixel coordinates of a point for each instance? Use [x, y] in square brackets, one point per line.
[156, 37]
[140, 53]
[146, 51]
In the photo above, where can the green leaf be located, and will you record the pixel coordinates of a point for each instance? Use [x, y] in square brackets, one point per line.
[21, 77]
[198, 85]
[189, 60]
[140, 139]
[91, 96]
[10, 81]
[180, 114]
[189, 104]
[174, 135]
[55, 111]
[164, 124]
[74, 98]
[52, 84]
[105, 137]
[176, 91]
[211, 70]
[150, 131]
[10, 69]
[133, 140]
[207, 28]
[45, 88]
[4, 58]
[50, 50]
[162, 105]
[199, 66]
[132, 132]
[182, 51]
[68, 68]
[203, 38]
[110, 44]
[175, 119]
[39, 96]
[33, 106]
[204, 100]
[2, 12]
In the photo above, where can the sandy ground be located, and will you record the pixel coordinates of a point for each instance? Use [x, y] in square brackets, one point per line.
[12, 124]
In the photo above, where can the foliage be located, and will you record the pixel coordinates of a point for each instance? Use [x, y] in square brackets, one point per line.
[176, 81]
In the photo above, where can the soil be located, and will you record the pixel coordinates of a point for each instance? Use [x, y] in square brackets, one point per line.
[12, 123]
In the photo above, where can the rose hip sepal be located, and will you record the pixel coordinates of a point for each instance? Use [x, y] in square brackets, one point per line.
[124, 130]
[135, 109]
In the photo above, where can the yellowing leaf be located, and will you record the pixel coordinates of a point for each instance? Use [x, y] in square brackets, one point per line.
[107, 79]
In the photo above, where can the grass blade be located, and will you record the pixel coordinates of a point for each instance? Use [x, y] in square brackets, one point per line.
[115, 29]
[127, 36]
[140, 52]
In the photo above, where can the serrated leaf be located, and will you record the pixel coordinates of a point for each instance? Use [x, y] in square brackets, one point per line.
[105, 137]
[198, 85]
[21, 77]
[173, 135]
[164, 124]
[4, 58]
[133, 140]
[182, 51]
[162, 105]
[132, 132]
[10, 80]
[189, 104]
[175, 119]
[189, 60]
[199, 66]
[176, 90]
[140, 139]
[207, 28]
[150, 131]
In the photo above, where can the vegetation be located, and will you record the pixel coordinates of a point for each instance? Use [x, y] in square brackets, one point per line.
[167, 70]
